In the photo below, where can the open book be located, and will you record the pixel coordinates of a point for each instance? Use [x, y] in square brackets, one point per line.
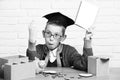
[86, 14]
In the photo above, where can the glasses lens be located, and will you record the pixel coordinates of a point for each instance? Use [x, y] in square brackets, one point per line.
[56, 36]
[49, 34]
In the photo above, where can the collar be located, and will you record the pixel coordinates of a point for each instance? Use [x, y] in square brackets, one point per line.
[58, 49]
[55, 51]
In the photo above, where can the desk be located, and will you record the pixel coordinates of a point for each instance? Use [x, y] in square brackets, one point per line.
[72, 74]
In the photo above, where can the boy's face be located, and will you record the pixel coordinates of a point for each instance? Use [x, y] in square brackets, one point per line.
[53, 34]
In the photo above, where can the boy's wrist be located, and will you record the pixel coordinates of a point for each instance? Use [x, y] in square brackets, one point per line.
[87, 42]
[32, 45]
[87, 38]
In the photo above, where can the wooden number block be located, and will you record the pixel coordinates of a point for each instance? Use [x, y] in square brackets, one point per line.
[11, 60]
[98, 66]
[19, 71]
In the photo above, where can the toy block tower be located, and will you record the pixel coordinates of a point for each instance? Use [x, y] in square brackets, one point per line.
[10, 59]
[98, 66]
[17, 67]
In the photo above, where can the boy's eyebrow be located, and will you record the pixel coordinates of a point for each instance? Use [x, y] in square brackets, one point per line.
[54, 33]
[47, 31]
[58, 33]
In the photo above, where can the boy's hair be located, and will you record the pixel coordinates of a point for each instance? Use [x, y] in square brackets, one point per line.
[57, 23]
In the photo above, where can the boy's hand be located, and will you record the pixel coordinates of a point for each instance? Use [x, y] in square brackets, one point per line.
[32, 32]
[32, 37]
[89, 34]
[88, 37]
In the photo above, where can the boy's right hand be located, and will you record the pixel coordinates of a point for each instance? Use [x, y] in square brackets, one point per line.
[32, 36]
[32, 32]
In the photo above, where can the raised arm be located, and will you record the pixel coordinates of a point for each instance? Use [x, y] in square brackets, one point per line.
[88, 39]
[80, 61]
[31, 50]
[32, 37]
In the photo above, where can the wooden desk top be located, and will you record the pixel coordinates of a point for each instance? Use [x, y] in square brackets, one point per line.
[72, 74]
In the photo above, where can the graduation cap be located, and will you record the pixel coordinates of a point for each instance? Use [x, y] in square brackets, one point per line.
[59, 19]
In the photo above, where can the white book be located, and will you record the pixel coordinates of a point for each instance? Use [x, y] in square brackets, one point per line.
[86, 14]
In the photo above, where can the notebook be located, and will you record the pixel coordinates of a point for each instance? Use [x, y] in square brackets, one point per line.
[86, 14]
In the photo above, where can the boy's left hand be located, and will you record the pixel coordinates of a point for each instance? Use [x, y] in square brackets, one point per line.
[88, 38]
[89, 34]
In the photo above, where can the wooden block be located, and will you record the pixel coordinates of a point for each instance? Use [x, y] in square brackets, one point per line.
[11, 59]
[98, 66]
[19, 71]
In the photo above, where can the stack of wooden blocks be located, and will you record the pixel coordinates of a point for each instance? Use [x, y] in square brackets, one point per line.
[98, 66]
[17, 67]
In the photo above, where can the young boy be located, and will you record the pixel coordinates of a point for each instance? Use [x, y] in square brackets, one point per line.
[53, 51]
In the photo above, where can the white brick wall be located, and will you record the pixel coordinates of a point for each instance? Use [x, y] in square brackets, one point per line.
[15, 16]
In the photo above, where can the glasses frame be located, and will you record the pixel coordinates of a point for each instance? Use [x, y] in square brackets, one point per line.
[49, 34]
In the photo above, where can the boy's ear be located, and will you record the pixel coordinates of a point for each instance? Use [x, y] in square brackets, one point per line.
[43, 34]
[63, 38]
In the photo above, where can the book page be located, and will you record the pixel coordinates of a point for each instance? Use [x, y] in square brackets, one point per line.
[86, 14]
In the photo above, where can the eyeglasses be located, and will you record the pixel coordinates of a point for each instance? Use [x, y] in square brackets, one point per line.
[49, 34]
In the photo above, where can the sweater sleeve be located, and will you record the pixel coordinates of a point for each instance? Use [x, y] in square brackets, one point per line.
[80, 61]
[31, 54]
[39, 53]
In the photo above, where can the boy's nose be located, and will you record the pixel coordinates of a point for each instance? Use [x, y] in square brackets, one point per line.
[52, 37]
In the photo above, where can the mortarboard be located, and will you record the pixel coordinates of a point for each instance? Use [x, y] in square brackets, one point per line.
[59, 19]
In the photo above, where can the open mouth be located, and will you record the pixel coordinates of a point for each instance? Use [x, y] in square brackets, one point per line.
[50, 43]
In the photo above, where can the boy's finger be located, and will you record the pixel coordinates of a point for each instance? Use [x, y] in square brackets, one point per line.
[31, 23]
[89, 32]
[90, 29]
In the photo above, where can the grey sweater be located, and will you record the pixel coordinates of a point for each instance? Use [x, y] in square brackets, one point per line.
[69, 56]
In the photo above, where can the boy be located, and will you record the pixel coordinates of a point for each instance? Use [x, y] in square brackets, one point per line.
[53, 51]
